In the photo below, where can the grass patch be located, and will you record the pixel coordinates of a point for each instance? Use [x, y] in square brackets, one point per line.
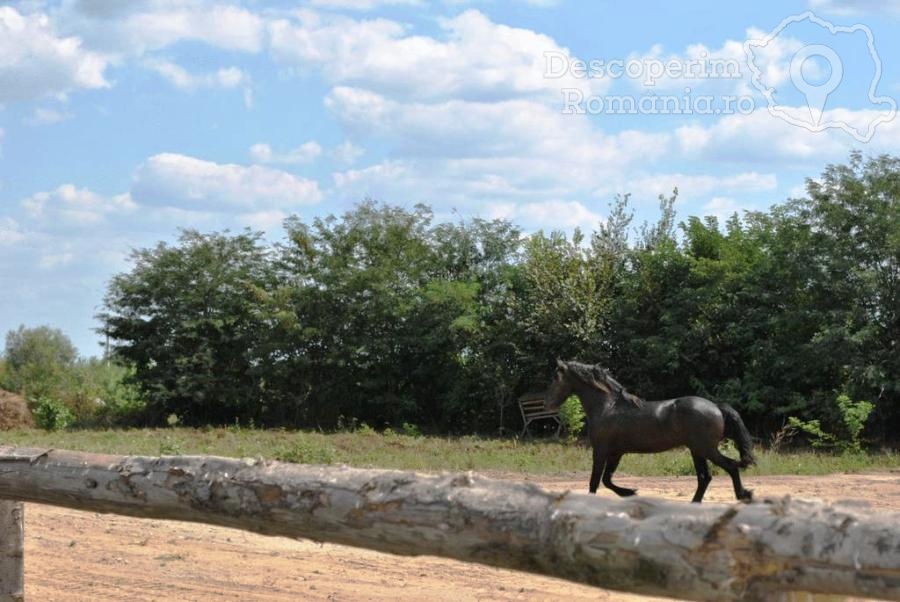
[368, 449]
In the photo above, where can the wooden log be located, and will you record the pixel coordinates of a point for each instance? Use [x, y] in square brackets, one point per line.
[12, 547]
[644, 545]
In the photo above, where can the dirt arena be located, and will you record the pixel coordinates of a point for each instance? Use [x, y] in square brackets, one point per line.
[77, 556]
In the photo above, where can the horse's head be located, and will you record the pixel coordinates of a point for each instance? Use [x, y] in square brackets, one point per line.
[575, 377]
[561, 387]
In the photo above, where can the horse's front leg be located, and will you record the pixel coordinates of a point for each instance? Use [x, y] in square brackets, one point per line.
[597, 470]
[612, 463]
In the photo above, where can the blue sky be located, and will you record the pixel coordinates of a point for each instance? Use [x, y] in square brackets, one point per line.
[121, 122]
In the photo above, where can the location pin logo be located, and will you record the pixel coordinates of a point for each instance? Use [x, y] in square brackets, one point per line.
[816, 95]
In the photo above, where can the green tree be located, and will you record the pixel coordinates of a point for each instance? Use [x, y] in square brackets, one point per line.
[187, 319]
[390, 313]
[853, 215]
[382, 316]
[559, 307]
[656, 302]
[778, 312]
[38, 360]
[487, 351]
[357, 284]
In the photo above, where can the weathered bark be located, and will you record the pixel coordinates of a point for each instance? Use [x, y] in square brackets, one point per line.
[12, 546]
[708, 552]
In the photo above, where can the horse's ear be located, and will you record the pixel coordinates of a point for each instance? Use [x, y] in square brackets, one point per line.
[561, 365]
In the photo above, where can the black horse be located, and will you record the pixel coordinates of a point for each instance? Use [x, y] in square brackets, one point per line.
[620, 423]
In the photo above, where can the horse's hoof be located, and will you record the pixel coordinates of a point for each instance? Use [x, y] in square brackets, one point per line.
[627, 492]
[746, 496]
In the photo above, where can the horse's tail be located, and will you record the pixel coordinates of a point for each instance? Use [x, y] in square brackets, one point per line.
[737, 432]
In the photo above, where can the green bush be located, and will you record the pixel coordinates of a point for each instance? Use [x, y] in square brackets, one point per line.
[303, 451]
[365, 429]
[41, 363]
[572, 415]
[853, 418]
[51, 414]
[813, 430]
[101, 394]
[410, 430]
[169, 446]
[854, 414]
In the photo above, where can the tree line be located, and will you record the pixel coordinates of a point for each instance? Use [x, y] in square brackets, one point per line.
[385, 317]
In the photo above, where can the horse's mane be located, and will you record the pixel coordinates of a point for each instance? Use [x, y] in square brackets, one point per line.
[624, 395]
[594, 375]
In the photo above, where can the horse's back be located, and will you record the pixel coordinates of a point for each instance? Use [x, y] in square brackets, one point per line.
[699, 419]
[692, 405]
[656, 426]
[653, 426]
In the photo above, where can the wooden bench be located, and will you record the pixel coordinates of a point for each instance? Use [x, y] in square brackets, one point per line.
[532, 407]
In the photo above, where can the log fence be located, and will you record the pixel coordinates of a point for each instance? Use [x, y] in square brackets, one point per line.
[759, 551]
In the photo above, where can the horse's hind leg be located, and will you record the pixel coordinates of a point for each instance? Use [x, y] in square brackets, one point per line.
[731, 467]
[703, 476]
[597, 470]
[611, 465]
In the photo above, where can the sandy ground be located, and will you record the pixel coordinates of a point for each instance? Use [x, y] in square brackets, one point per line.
[78, 556]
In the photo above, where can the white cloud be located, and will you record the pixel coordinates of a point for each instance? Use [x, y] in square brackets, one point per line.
[719, 70]
[470, 184]
[261, 153]
[692, 186]
[693, 138]
[465, 185]
[462, 154]
[347, 153]
[536, 3]
[168, 191]
[168, 217]
[363, 4]
[797, 192]
[305, 153]
[68, 206]
[10, 232]
[43, 116]
[497, 130]
[386, 171]
[475, 59]
[856, 7]
[762, 138]
[52, 260]
[758, 137]
[133, 28]
[188, 183]
[724, 207]
[229, 77]
[70, 47]
[36, 62]
[267, 221]
[547, 215]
